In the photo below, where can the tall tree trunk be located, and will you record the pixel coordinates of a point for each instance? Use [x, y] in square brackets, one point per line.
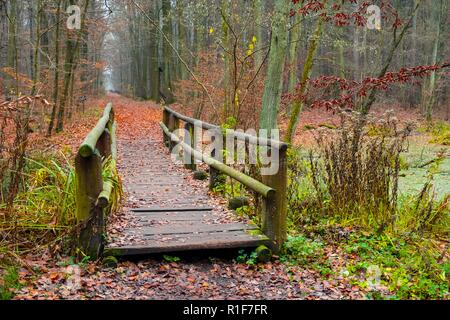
[434, 59]
[259, 11]
[167, 52]
[11, 85]
[72, 47]
[227, 60]
[154, 62]
[56, 76]
[293, 51]
[36, 71]
[274, 82]
[298, 105]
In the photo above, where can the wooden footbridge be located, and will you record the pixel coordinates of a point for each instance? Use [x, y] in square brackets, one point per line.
[179, 218]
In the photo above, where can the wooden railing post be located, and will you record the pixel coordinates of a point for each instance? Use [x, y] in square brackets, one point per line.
[215, 175]
[89, 216]
[174, 123]
[166, 116]
[274, 209]
[189, 139]
[89, 184]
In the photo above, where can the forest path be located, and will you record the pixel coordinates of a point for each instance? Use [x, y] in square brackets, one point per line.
[165, 209]
[188, 276]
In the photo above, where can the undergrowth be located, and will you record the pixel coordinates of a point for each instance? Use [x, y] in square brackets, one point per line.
[110, 174]
[9, 282]
[344, 198]
[384, 267]
[43, 212]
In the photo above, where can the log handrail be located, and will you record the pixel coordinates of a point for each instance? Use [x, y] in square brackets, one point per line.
[273, 188]
[92, 193]
[249, 182]
[237, 135]
[89, 144]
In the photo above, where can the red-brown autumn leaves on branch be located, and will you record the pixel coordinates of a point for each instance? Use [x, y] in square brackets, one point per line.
[350, 90]
[341, 16]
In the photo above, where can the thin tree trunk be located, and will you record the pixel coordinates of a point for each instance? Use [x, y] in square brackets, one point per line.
[36, 71]
[433, 77]
[293, 51]
[56, 76]
[395, 43]
[69, 67]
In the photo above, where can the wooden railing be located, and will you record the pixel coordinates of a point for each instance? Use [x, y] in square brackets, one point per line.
[92, 193]
[272, 188]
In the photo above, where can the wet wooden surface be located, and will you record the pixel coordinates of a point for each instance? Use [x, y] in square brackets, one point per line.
[168, 211]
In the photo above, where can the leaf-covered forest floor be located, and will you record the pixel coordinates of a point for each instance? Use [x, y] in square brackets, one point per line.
[209, 275]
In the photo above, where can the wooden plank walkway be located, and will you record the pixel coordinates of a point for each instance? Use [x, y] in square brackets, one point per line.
[167, 211]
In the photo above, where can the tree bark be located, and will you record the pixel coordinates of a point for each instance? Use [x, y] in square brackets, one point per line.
[274, 82]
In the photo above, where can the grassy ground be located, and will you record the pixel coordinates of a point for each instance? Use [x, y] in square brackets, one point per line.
[43, 211]
[397, 264]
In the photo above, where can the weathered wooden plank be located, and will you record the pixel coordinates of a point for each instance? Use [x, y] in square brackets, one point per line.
[195, 215]
[155, 218]
[190, 228]
[183, 237]
[165, 209]
[196, 242]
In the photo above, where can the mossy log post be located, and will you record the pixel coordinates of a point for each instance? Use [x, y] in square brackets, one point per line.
[174, 124]
[105, 195]
[89, 144]
[92, 194]
[166, 116]
[274, 212]
[214, 174]
[113, 142]
[89, 215]
[189, 139]
[263, 254]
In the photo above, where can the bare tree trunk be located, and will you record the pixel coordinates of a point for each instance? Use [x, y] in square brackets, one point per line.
[434, 59]
[56, 76]
[274, 82]
[298, 105]
[72, 47]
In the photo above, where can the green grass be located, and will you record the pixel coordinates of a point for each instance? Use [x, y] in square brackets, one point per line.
[48, 196]
[9, 282]
[110, 174]
[407, 269]
[386, 267]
